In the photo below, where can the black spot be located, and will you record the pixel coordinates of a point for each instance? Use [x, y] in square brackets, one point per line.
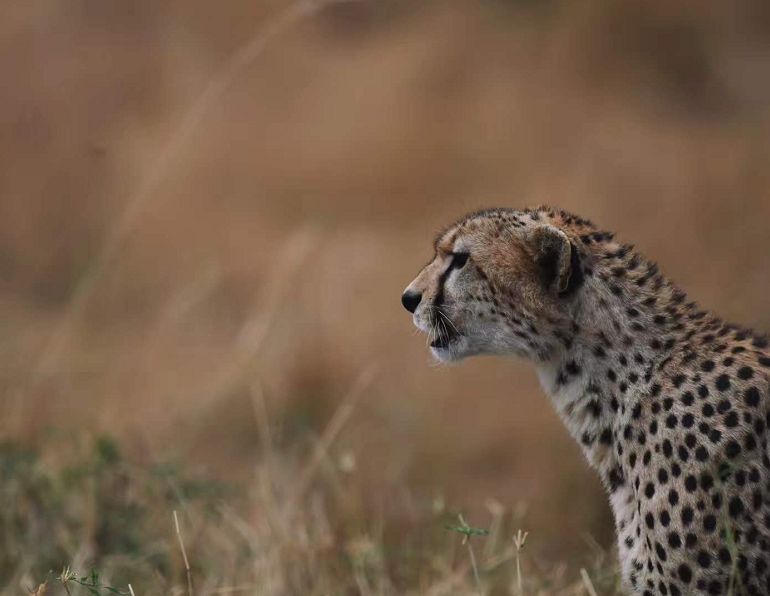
[707, 366]
[731, 420]
[723, 406]
[722, 383]
[751, 396]
[617, 479]
[709, 523]
[606, 436]
[704, 559]
[690, 440]
[662, 476]
[703, 391]
[660, 551]
[685, 573]
[725, 470]
[761, 566]
[572, 368]
[687, 420]
[673, 497]
[649, 490]
[690, 483]
[688, 398]
[649, 520]
[701, 453]
[732, 450]
[667, 449]
[673, 540]
[707, 410]
[745, 372]
[750, 443]
[671, 421]
[678, 380]
[735, 508]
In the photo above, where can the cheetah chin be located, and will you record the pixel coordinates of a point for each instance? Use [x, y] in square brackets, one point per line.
[670, 404]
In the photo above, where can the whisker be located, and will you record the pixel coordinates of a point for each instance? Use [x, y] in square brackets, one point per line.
[447, 319]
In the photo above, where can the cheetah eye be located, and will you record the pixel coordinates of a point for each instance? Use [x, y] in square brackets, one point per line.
[459, 259]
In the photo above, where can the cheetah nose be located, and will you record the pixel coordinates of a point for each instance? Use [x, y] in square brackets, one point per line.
[411, 300]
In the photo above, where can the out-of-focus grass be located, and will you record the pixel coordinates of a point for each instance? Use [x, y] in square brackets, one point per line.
[78, 516]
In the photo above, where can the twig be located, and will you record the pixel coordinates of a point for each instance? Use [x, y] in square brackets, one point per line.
[587, 581]
[184, 555]
[475, 568]
[519, 540]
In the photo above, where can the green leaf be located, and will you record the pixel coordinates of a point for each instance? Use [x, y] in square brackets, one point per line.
[468, 531]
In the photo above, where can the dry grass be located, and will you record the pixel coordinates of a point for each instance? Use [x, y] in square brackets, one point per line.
[161, 532]
[203, 241]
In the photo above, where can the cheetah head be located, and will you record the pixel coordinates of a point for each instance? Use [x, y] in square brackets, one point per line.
[501, 282]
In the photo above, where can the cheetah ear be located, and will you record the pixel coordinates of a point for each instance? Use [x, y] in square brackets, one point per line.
[556, 260]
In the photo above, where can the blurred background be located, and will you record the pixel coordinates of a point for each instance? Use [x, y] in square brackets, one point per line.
[208, 214]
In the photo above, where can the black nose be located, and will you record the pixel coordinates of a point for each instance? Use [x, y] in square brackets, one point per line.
[411, 300]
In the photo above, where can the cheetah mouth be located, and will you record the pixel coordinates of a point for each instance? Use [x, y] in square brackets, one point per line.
[445, 338]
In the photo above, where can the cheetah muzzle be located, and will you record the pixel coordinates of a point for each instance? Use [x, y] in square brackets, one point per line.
[669, 403]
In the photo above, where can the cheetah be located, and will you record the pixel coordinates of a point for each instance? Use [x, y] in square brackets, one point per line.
[669, 403]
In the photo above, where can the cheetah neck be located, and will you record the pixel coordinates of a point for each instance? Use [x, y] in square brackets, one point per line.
[624, 334]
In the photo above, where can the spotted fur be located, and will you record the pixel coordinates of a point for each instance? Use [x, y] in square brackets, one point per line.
[670, 404]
